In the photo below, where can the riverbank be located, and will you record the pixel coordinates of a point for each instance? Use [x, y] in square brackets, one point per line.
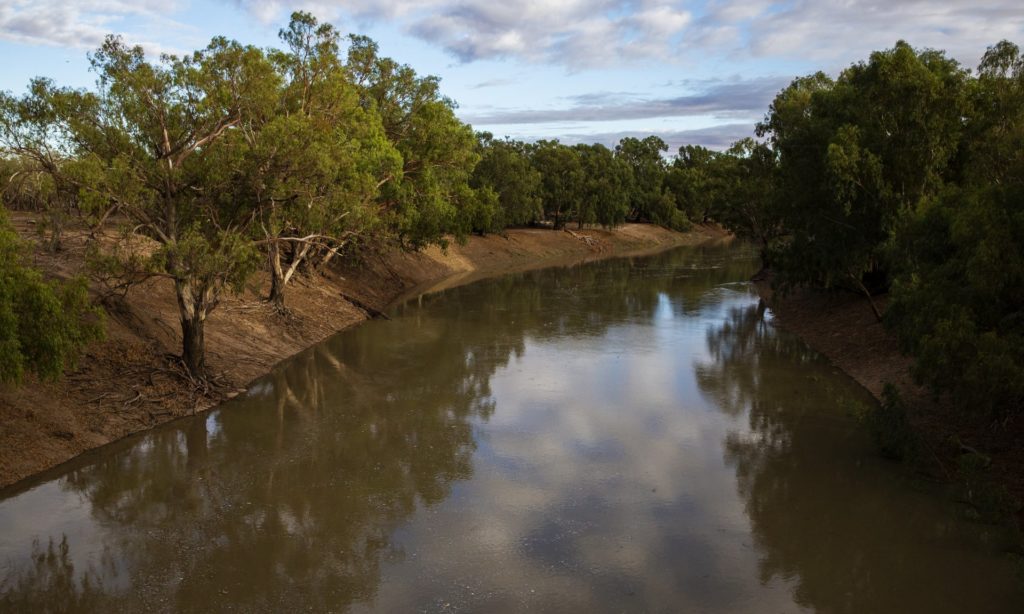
[128, 382]
[842, 327]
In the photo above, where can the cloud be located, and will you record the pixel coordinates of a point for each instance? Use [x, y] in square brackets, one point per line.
[495, 83]
[718, 137]
[576, 33]
[721, 98]
[83, 24]
[580, 34]
[843, 31]
[589, 33]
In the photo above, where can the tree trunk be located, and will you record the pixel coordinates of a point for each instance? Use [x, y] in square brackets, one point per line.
[331, 253]
[867, 293]
[279, 276]
[193, 347]
[277, 280]
[193, 305]
[56, 242]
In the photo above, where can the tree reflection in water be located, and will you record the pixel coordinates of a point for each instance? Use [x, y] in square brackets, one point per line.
[824, 510]
[303, 493]
[290, 495]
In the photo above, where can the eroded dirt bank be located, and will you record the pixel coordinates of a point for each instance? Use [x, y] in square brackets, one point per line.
[129, 382]
[842, 327]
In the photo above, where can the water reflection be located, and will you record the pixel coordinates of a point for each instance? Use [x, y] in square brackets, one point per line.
[288, 497]
[627, 435]
[826, 512]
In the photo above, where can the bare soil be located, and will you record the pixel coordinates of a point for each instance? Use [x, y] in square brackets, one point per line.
[132, 381]
[842, 327]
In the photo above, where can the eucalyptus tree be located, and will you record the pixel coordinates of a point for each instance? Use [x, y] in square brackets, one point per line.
[649, 201]
[994, 129]
[312, 167]
[605, 187]
[857, 156]
[562, 180]
[37, 147]
[958, 297]
[505, 168]
[430, 195]
[744, 193]
[692, 180]
[147, 146]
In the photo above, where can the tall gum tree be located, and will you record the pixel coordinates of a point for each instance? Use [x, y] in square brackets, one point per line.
[38, 147]
[314, 168]
[857, 157]
[650, 201]
[505, 168]
[606, 182]
[146, 148]
[958, 296]
[431, 195]
[562, 180]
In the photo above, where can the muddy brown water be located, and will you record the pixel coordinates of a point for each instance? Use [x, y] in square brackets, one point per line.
[625, 436]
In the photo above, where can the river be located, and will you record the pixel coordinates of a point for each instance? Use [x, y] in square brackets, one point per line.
[631, 435]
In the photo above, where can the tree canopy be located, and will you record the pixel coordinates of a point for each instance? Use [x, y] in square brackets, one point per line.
[904, 173]
[214, 162]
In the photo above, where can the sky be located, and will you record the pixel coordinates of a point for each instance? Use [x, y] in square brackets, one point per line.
[578, 70]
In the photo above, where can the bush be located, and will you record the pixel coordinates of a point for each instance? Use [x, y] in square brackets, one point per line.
[889, 426]
[43, 324]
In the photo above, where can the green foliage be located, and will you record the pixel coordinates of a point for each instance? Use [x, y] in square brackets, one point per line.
[889, 427]
[562, 180]
[585, 184]
[735, 188]
[989, 501]
[957, 306]
[605, 188]
[858, 155]
[505, 169]
[993, 144]
[903, 172]
[213, 160]
[648, 200]
[749, 206]
[430, 195]
[958, 300]
[43, 324]
[150, 144]
[27, 179]
[695, 181]
[310, 170]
